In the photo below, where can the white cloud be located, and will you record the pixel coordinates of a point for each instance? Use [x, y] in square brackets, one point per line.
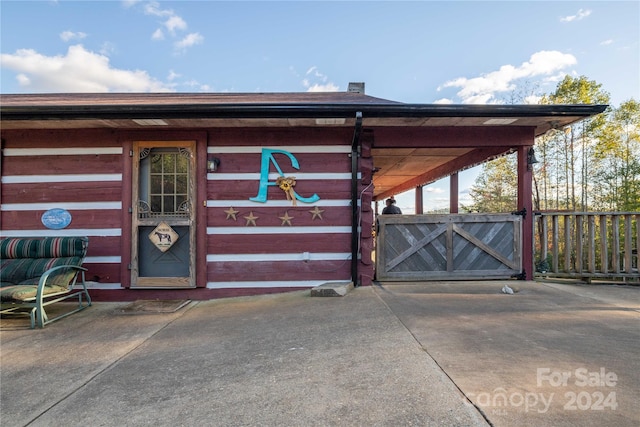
[79, 70]
[315, 81]
[582, 13]
[434, 190]
[153, 8]
[329, 87]
[70, 35]
[107, 48]
[443, 101]
[188, 41]
[532, 99]
[157, 34]
[172, 75]
[606, 42]
[129, 3]
[175, 23]
[482, 90]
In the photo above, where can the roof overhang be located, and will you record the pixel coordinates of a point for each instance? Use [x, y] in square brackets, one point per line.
[415, 144]
[125, 111]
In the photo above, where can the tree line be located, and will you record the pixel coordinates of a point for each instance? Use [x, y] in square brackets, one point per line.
[592, 165]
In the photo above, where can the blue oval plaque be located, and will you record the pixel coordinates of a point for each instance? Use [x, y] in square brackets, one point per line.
[56, 219]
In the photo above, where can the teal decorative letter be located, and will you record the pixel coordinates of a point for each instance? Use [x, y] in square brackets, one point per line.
[267, 158]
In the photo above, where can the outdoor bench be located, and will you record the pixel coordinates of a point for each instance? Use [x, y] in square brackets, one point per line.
[38, 272]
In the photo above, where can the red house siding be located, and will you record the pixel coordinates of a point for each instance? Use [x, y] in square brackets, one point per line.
[88, 173]
[289, 245]
[78, 170]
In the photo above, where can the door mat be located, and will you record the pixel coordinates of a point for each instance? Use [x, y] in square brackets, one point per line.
[153, 306]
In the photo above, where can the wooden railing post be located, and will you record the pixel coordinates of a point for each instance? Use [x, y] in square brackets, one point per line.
[554, 237]
[612, 241]
[604, 253]
[591, 230]
[579, 254]
[567, 243]
[544, 240]
[638, 242]
[615, 243]
[628, 244]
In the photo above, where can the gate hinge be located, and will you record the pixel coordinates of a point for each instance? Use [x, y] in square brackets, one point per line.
[129, 267]
[130, 209]
[522, 212]
[520, 276]
[130, 153]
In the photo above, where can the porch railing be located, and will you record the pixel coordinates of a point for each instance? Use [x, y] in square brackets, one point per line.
[587, 245]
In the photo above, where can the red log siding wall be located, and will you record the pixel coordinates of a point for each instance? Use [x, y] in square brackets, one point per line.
[80, 171]
[306, 250]
[365, 192]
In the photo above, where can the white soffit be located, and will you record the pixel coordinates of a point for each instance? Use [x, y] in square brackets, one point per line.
[499, 121]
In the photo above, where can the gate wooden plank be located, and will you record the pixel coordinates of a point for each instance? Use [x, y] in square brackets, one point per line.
[448, 247]
[416, 247]
[479, 243]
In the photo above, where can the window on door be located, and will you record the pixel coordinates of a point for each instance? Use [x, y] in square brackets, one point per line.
[166, 193]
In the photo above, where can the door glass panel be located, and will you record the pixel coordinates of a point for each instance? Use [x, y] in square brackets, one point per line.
[182, 165]
[168, 184]
[181, 184]
[167, 178]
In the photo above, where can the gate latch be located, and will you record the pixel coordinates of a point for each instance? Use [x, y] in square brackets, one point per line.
[522, 212]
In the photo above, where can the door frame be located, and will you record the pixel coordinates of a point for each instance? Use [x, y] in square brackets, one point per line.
[160, 282]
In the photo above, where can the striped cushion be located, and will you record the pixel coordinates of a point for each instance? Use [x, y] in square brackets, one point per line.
[56, 247]
[25, 293]
[23, 260]
[17, 247]
[14, 270]
[60, 277]
[28, 271]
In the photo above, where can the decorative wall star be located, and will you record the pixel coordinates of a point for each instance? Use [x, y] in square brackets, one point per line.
[316, 212]
[286, 219]
[231, 213]
[251, 219]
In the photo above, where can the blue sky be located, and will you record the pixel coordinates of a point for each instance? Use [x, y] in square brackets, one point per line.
[415, 52]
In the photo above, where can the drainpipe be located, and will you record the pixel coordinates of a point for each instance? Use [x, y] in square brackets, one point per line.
[355, 147]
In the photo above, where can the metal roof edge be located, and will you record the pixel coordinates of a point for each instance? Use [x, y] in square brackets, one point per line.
[290, 110]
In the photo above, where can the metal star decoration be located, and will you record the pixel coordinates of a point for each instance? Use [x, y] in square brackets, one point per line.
[231, 213]
[286, 219]
[316, 212]
[251, 219]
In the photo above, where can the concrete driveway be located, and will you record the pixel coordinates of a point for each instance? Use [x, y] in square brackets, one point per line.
[432, 354]
[548, 355]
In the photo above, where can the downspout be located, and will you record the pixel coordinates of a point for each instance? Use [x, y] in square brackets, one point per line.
[355, 148]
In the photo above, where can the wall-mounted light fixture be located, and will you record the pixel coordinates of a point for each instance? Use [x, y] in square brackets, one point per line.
[212, 164]
[531, 158]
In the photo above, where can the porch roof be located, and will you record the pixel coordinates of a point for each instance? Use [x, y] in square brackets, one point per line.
[414, 144]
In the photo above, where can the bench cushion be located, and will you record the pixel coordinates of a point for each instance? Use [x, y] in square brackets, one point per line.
[24, 260]
[27, 292]
[17, 247]
[59, 247]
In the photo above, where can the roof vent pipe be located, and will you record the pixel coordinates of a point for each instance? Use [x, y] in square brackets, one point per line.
[356, 87]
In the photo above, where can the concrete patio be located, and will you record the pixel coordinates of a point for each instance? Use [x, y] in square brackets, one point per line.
[441, 353]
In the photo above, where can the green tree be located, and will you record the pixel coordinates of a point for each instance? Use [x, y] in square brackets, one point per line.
[496, 187]
[616, 178]
[567, 152]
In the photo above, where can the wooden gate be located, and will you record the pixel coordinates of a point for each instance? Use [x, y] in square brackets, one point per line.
[448, 247]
